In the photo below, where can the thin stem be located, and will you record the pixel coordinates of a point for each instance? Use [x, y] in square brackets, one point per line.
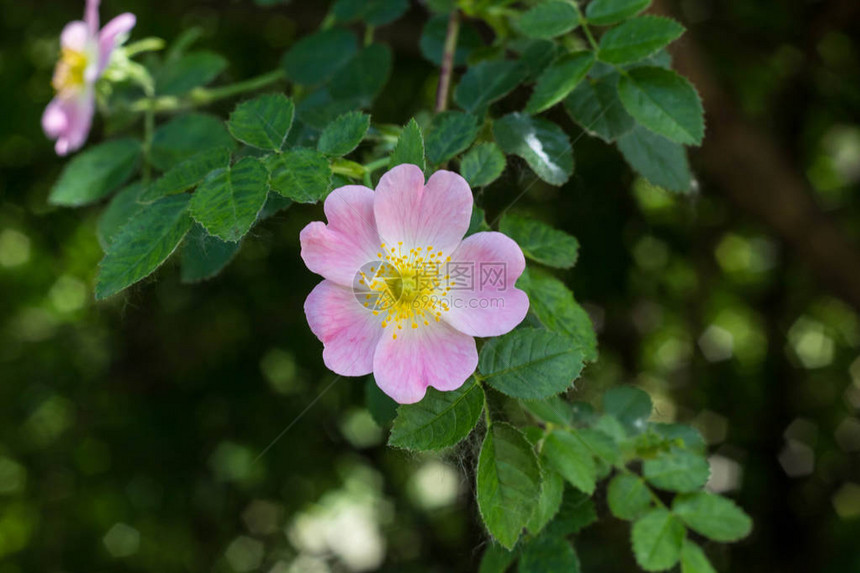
[448, 61]
[585, 27]
[148, 131]
[368, 35]
[205, 96]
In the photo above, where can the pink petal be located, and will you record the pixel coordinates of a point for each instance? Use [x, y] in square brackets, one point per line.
[430, 355]
[68, 120]
[338, 250]
[75, 36]
[91, 16]
[491, 305]
[349, 332]
[111, 34]
[436, 214]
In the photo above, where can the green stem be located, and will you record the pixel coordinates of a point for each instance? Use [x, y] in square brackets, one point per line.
[585, 27]
[448, 61]
[368, 35]
[205, 96]
[148, 131]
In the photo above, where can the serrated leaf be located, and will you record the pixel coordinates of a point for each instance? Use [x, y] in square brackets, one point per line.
[496, 559]
[191, 70]
[410, 146]
[677, 470]
[543, 145]
[577, 512]
[432, 42]
[228, 200]
[601, 446]
[595, 106]
[344, 134]
[657, 539]
[119, 211]
[187, 174]
[382, 408]
[547, 553]
[549, 19]
[439, 420]
[486, 82]
[508, 482]
[629, 405]
[482, 165]
[361, 80]
[96, 172]
[664, 102]
[374, 12]
[317, 110]
[637, 39]
[558, 80]
[553, 409]
[555, 308]
[302, 175]
[204, 256]
[143, 244]
[530, 364]
[540, 242]
[566, 454]
[662, 162]
[694, 560]
[608, 12]
[317, 57]
[263, 122]
[551, 493]
[186, 136]
[628, 496]
[713, 516]
[450, 133]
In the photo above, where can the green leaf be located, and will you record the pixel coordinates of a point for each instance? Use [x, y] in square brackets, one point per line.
[96, 172]
[186, 136]
[410, 146]
[576, 513]
[664, 102]
[302, 175]
[316, 58]
[362, 79]
[694, 560]
[530, 364]
[558, 80]
[549, 19]
[595, 106]
[143, 244]
[657, 538]
[228, 200]
[689, 437]
[482, 165]
[382, 408]
[568, 455]
[508, 482]
[555, 308]
[275, 203]
[553, 409]
[190, 71]
[374, 12]
[677, 470]
[432, 43]
[607, 12]
[629, 405]
[119, 211]
[662, 162]
[543, 145]
[439, 420]
[450, 133]
[263, 122]
[551, 493]
[601, 446]
[486, 82]
[637, 39]
[548, 553]
[628, 496]
[204, 256]
[540, 242]
[186, 174]
[536, 55]
[713, 516]
[319, 109]
[344, 134]
[496, 559]
[478, 222]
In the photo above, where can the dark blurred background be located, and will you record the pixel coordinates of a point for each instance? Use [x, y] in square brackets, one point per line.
[129, 429]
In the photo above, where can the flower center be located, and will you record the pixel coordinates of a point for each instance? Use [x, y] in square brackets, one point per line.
[407, 286]
[70, 70]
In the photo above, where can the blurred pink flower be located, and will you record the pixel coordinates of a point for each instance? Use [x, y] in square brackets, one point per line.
[404, 294]
[85, 53]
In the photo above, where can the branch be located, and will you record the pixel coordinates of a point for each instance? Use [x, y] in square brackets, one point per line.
[447, 61]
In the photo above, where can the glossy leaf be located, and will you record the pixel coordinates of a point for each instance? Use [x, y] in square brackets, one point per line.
[558, 80]
[664, 102]
[657, 539]
[637, 39]
[549, 19]
[263, 122]
[543, 145]
[483, 164]
[228, 200]
[344, 134]
[540, 242]
[595, 106]
[96, 172]
[302, 175]
[439, 420]
[450, 133]
[662, 162]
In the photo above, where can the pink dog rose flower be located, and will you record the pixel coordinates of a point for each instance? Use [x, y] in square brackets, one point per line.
[85, 53]
[404, 293]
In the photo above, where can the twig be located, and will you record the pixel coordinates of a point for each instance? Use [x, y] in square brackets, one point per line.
[448, 61]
